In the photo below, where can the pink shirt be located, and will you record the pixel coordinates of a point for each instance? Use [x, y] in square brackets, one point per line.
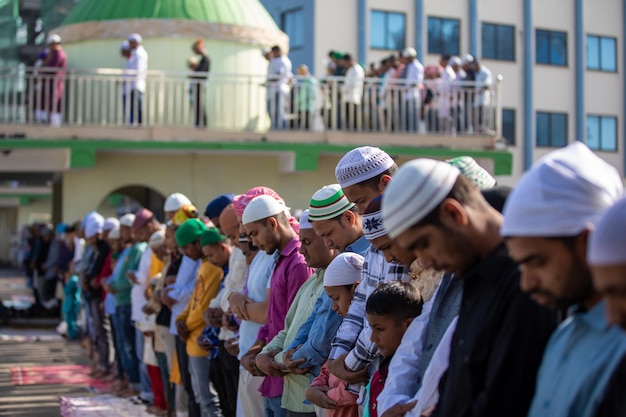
[289, 274]
[338, 393]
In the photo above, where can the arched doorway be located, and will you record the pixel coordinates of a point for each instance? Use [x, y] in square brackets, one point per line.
[131, 198]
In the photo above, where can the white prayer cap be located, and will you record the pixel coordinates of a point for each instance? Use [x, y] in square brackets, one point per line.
[454, 61]
[362, 164]
[94, 225]
[467, 59]
[470, 168]
[127, 220]
[564, 192]
[157, 239]
[114, 233]
[261, 207]
[135, 37]
[125, 46]
[345, 269]
[110, 223]
[304, 220]
[418, 188]
[409, 53]
[606, 243]
[53, 38]
[175, 201]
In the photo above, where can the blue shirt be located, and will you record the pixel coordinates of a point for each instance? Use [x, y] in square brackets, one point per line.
[316, 335]
[183, 288]
[109, 301]
[359, 246]
[577, 364]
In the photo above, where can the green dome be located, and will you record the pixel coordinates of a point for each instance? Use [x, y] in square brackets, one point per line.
[250, 13]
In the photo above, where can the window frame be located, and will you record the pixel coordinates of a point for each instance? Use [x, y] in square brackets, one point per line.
[386, 13]
[600, 117]
[497, 57]
[510, 141]
[550, 140]
[615, 53]
[551, 32]
[283, 19]
[442, 50]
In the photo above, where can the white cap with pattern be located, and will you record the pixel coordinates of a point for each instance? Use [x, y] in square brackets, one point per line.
[362, 164]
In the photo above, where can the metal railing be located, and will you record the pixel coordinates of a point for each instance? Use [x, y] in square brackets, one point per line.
[110, 97]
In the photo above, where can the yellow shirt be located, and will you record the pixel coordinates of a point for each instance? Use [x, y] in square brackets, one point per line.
[156, 266]
[207, 286]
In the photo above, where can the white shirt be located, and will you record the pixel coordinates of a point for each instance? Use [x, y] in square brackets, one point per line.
[484, 80]
[137, 293]
[138, 61]
[233, 282]
[279, 73]
[414, 77]
[446, 91]
[428, 395]
[352, 88]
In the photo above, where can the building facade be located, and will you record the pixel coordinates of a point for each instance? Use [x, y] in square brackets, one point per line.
[562, 62]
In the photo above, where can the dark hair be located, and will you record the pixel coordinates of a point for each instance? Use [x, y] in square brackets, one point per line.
[374, 181]
[398, 299]
[276, 48]
[353, 209]
[347, 57]
[445, 57]
[464, 191]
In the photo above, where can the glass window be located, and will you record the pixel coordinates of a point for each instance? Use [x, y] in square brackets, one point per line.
[443, 36]
[508, 125]
[551, 129]
[387, 30]
[498, 42]
[292, 23]
[601, 53]
[602, 133]
[551, 47]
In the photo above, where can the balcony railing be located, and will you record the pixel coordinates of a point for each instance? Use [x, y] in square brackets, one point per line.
[110, 97]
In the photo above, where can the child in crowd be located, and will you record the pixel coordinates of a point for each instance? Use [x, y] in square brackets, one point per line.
[327, 391]
[390, 310]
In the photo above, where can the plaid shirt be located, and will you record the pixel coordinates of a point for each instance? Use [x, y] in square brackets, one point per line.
[353, 336]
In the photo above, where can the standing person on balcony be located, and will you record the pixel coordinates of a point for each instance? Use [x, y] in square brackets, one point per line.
[351, 92]
[482, 94]
[445, 93]
[413, 75]
[278, 75]
[53, 73]
[307, 98]
[199, 83]
[138, 65]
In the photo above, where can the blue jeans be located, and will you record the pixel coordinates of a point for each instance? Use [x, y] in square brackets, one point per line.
[203, 390]
[276, 109]
[118, 341]
[128, 340]
[273, 408]
[146, 389]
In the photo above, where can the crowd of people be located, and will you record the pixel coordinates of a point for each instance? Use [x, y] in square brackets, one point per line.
[399, 94]
[420, 290]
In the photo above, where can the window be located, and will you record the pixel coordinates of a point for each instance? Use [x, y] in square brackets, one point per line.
[498, 42]
[443, 36]
[388, 30]
[292, 23]
[602, 133]
[551, 129]
[601, 53]
[551, 47]
[508, 126]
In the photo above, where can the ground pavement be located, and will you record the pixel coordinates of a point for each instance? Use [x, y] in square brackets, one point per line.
[42, 374]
